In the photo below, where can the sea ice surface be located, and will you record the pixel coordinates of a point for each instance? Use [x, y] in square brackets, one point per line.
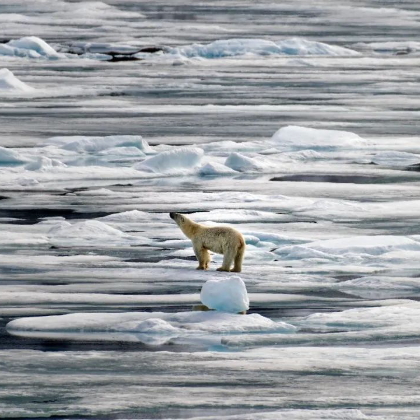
[237, 113]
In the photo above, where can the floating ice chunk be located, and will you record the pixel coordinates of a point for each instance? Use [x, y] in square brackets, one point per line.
[238, 47]
[91, 233]
[98, 192]
[228, 48]
[273, 238]
[374, 245]
[82, 144]
[26, 181]
[236, 215]
[391, 46]
[182, 323]
[179, 160]
[328, 209]
[44, 164]
[298, 138]
[93, 10]
[294, 414]
[222, 148]
[18, 239]
[399, 159]
[215, 169]
[181, 61]
[304, 155]
[10, 157]
[30, 46]
[380, 287]
[129, 151]
[101, 48]
[83, 229]
[242, 163]
[134, 216]
[296, 46]
[10, 83]
[370, 245]
[401, 314]
[226, 295]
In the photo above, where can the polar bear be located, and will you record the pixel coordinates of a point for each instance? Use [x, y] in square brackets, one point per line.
[219, 239]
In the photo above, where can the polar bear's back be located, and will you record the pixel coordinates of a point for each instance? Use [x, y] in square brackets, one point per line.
[219, 239]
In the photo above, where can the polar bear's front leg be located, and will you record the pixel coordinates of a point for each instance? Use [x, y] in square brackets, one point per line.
[203, 257]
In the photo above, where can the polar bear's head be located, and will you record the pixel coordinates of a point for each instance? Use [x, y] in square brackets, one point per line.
[178, 218]
[184, 223]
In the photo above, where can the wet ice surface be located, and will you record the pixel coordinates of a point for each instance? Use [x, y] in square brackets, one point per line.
[296, 123]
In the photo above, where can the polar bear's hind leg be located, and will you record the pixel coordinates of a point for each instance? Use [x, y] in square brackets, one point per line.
[228, 258]
[239, 257]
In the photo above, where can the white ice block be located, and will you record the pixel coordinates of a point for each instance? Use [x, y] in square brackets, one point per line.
[226, 295]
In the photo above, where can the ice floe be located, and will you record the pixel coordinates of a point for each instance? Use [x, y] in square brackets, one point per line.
[216, 169]
[128, 156]
[10, 157]
[394, 47]
[241, 163]
[177, 161]
[44, 164]
[225, 295]
[9, 83]
[30, 46]
[345, 247]
[152, 323]
[85, 144]
[133, 216]
[262, 47]
[90, 233]
[299, 138]
[235, 216]
[381, 286]
[402, 317]
[397, 159]
[294, 414]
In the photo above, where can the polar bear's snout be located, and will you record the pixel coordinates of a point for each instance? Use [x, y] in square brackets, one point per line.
[172, 215]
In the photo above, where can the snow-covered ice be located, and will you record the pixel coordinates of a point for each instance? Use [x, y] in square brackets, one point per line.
[172, 161]
[30, 47]
[295, 122]
[9, 83]
[8, 156]
[180, 323]
[238, 47]
[298, 138]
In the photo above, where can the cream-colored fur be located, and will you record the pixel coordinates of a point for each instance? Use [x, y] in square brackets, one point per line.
[219, 239]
